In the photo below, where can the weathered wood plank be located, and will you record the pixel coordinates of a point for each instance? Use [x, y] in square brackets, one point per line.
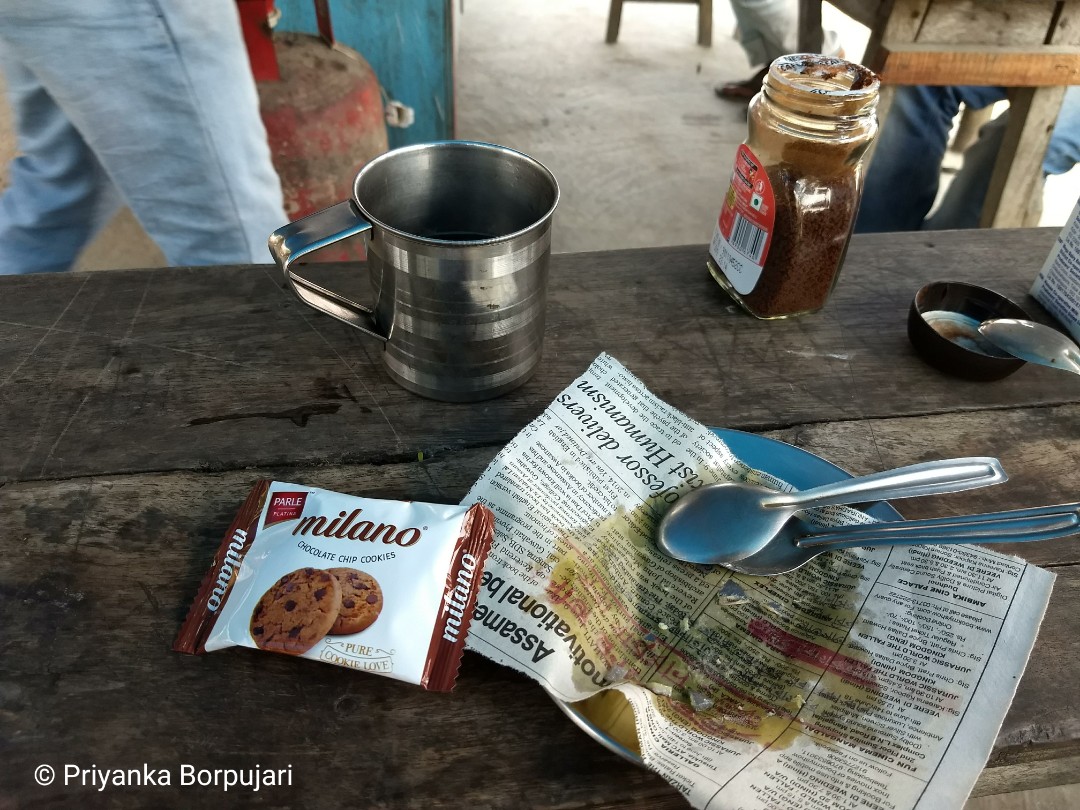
[221, 369]
[987, 22]
[980, 64]
[905, 19]
[1039, 448]
[1013, 769]
[1067, 29]
[106, 567]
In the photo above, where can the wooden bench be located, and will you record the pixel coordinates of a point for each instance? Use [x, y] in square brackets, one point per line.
[704, 19]
[1030, 46]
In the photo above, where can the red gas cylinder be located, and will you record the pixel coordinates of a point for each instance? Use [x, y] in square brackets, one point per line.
[324, 119]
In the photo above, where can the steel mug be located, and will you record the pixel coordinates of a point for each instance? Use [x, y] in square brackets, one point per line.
[459, 235]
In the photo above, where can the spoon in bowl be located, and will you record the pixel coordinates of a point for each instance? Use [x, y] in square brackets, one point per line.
[749, 516]
[788, 550]
[1033, 342]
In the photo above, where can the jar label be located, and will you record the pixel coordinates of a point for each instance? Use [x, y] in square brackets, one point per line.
[744, 230]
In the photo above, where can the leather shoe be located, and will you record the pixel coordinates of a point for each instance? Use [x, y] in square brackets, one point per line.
[744, 90]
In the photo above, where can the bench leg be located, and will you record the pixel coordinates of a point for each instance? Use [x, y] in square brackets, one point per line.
[613, 20]
[1014, 199]
[704, 26]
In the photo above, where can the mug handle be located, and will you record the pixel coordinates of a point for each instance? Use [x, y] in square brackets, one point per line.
[314, 232]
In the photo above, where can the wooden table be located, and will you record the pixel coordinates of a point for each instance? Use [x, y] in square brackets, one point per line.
[139, 407]
[1032, 47]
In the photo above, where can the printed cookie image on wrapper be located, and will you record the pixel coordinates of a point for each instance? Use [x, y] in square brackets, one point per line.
[361, 601]
[378, 586]
[297, 612]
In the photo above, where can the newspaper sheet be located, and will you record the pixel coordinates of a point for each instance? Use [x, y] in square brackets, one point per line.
[869, 678]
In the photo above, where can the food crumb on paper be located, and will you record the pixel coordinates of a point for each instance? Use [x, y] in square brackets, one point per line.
[662, 689]
[732, 594]
[617, 674]
[700, 702]
[772, 607]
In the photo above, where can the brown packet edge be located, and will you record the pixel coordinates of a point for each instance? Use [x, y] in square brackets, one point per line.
[200, 621]
[444, 656]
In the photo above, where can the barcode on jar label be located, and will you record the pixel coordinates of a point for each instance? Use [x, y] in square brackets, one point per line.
[748, 239]
[745, 226]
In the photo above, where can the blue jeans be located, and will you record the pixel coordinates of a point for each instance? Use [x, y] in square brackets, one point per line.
[902, 181]
[145, 102]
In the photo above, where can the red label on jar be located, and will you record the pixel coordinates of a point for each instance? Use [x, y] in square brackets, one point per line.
[744, 229]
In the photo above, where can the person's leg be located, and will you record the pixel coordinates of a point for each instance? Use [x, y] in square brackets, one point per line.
[766, 31]
[961, 207]
[59, 196]
[162, 93]
[1063, 151]
[208, 43]
[902, 180]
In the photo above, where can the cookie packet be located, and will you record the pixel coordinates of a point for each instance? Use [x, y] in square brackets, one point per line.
[380, 586]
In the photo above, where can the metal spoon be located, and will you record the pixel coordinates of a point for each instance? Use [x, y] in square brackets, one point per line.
[790, 550]
[1033, 342]
[750, 516]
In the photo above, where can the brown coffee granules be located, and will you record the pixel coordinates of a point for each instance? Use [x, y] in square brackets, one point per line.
[814, 218]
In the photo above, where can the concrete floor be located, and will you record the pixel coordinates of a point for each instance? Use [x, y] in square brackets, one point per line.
[640, 145]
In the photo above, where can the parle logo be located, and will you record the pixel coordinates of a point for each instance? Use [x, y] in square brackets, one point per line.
[285, 506]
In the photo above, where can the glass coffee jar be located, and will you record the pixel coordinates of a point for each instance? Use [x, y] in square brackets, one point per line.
[787, 216]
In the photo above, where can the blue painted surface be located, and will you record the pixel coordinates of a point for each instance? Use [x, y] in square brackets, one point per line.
[408, 45]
